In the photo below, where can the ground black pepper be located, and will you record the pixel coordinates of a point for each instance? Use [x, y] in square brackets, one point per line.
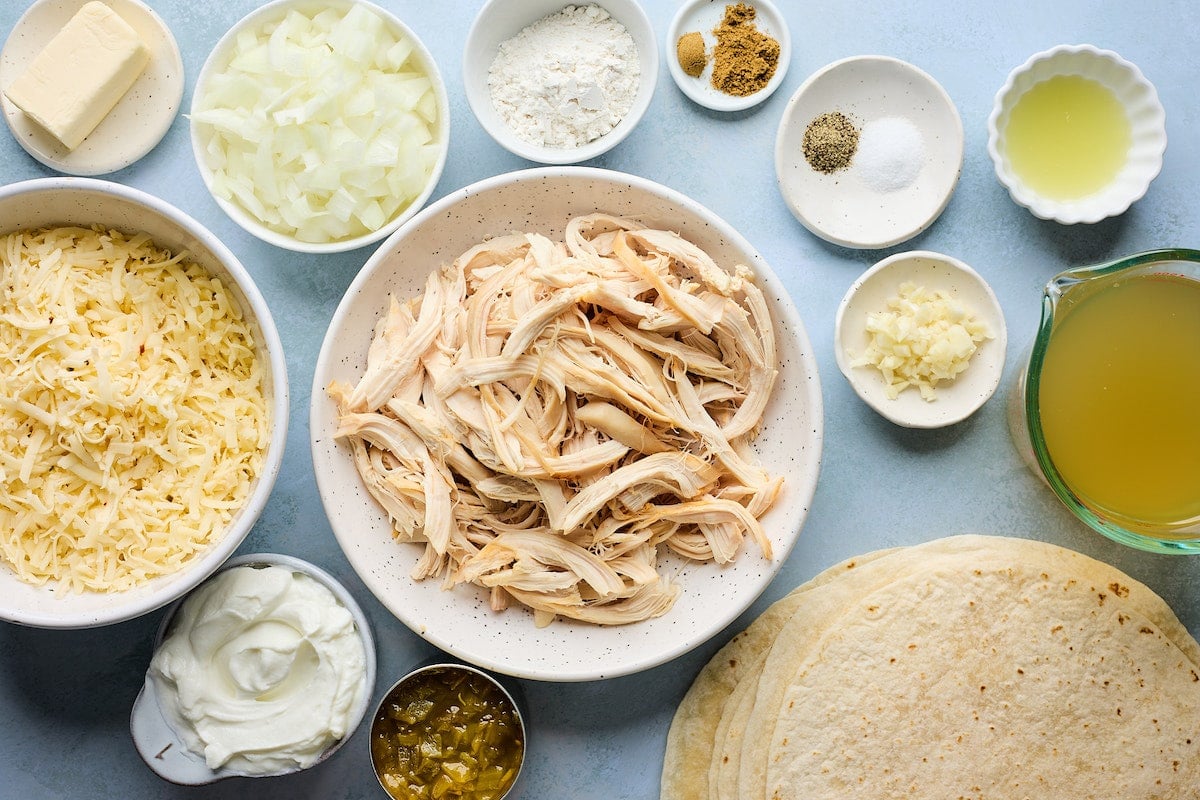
[830, 142]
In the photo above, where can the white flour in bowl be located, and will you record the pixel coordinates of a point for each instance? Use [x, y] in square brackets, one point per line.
[567, 79]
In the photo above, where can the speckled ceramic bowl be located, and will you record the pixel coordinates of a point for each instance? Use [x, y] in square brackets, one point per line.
[1147, 123]
[460, 621]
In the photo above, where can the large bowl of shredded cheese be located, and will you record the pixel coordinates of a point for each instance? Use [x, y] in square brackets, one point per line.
[580, 437]
[144, 406]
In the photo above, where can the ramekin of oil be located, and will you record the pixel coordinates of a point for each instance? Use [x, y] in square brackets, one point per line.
[1077, 134]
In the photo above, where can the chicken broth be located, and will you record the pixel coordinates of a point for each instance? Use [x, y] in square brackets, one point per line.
[1120, 400]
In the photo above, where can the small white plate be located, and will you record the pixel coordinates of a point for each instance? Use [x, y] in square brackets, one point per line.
[139, 120]
[840, 207]
[956, 399]
[702, 16]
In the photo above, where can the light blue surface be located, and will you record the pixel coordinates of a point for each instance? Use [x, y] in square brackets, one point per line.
[65, 696]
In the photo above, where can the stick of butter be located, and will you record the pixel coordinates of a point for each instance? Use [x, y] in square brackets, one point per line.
[77, 78]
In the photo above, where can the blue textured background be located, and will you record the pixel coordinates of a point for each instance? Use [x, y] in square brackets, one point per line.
[65, 696]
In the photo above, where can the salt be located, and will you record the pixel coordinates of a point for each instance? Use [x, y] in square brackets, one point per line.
[891, 152]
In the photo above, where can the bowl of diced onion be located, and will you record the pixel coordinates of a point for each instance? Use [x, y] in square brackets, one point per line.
[320, 126]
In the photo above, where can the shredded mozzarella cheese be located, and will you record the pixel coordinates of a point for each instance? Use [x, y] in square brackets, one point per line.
[921, 338]
[133, 417]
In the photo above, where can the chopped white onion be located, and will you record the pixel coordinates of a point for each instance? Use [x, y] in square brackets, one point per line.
[323, 127]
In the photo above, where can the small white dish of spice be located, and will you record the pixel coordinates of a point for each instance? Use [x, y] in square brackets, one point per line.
[868, 152]
[1077, 134]
[560, 83]
[728, 56]
[921, 338]
[109, 117]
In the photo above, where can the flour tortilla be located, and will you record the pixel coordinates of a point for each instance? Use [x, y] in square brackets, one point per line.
[694, 729]
[718, 715]
[994, 683]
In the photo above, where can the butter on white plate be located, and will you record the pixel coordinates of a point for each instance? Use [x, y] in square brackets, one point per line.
[81, 74]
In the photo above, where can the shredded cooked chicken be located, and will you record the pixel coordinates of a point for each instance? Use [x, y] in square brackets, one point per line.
[546, 416]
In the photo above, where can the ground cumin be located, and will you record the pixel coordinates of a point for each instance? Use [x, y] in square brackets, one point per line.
[744, 58]
[690, 51]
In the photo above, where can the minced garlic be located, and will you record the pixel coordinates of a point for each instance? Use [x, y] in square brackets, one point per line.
[921, 338]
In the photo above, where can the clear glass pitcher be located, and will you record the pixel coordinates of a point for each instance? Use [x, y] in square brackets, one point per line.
[1159, 505]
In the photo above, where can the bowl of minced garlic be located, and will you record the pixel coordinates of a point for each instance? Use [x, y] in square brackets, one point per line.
[144, 404]
[921, 339]
[728, 57]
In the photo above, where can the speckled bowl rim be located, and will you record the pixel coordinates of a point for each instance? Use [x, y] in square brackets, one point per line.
[243, 218]
[477, 60]
[1093, 208]
[564, 651]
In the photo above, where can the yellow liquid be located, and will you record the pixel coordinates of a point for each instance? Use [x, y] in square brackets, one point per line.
[1067, 137]
[1120, 399]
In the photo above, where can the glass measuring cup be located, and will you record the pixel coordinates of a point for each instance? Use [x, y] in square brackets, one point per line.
[1031, 405]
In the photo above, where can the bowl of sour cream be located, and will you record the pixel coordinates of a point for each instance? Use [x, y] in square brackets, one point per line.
[264, 669]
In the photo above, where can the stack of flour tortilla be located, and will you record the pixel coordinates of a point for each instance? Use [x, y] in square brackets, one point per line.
[967, 668]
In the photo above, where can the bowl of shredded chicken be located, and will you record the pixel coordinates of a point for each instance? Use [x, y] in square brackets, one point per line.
[143, 406]
[566, 424]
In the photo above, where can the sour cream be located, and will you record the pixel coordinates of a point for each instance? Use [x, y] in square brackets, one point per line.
[261, 671]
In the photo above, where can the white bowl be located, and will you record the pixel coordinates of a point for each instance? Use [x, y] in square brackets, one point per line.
[460, 621]
[165, 751]
[85, 201]
[136, 123]
[702, 16]
[218, 60]
[841, 207]
[956, 399]
[499, 21]
[1147, 122]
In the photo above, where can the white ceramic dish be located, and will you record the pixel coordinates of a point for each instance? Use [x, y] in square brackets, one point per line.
[702, 16]
[460, 621]
[217, 61]
[957, 399]
[165, 752]
[840, 207]
[1147, 122]
[500, 20]
[139, 120]
[84, 201]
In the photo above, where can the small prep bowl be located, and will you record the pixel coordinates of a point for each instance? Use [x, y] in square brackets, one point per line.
[1147, 124]
[218, 60]
[841, 207]
[165, 752]
[448, 672]
[702, 16]
[500, 20]
[956, 399]
[85, 201]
